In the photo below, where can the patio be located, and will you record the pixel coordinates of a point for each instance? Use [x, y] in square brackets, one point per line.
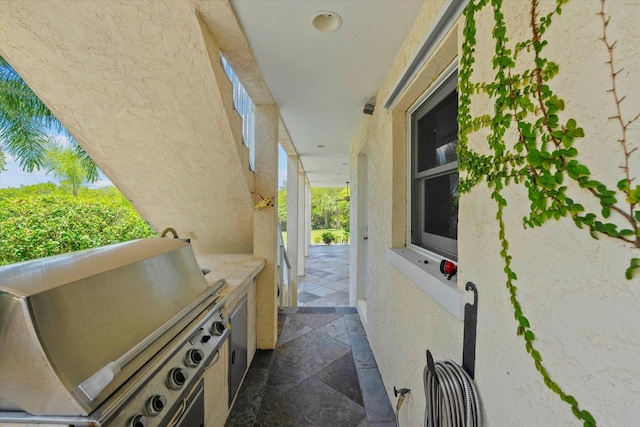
[326, 283]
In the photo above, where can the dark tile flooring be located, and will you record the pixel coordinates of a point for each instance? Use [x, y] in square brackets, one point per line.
[322, 373]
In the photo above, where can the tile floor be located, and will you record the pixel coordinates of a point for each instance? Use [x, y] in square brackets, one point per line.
[322, 373]
[326, 282]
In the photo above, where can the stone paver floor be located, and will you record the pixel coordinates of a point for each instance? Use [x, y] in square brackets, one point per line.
[326, 279]
[322, 373]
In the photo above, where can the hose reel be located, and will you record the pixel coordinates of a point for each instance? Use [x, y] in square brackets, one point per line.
[451, 395]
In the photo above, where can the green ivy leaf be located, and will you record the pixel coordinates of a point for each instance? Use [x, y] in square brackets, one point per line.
[570, 400]
[586, 415]
[529, 336]
[631, 271]
[581, 170]
[576, 411]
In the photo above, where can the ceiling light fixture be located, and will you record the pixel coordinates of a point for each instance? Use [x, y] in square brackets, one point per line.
[346, 198]
[326, 21]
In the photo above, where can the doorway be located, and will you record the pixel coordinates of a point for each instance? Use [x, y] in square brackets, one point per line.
[362, 238]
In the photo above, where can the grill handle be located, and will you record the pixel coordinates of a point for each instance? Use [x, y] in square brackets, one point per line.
[94, 385]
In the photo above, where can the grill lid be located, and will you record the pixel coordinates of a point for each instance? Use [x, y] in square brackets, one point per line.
[63, 319]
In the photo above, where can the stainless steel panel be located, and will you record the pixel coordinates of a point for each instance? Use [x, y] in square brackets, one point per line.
[194, 414]
[24, 366]
[63, 318]
[237, 347]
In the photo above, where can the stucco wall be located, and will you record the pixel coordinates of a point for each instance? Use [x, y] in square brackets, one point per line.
[572, 287]
[135, 83]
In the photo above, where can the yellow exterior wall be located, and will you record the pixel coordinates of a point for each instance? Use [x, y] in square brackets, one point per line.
[572, 287]
[140, 86]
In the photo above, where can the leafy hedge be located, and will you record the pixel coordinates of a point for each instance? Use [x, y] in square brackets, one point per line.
[36, 225]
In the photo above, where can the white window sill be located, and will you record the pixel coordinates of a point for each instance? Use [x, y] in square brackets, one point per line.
[428, 278]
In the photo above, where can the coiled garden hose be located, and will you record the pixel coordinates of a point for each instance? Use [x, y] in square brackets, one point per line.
[452, 397]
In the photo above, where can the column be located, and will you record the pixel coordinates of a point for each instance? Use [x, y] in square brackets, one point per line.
[293, 240]
[265, 224]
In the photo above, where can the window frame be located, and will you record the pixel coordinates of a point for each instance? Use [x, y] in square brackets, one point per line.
[440, 247]
[246, 109]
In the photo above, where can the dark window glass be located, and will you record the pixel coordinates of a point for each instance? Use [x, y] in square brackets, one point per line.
[434, 205]
[437, 134]
[441, 206]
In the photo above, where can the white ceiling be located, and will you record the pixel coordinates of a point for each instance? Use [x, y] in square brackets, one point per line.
[321, 81]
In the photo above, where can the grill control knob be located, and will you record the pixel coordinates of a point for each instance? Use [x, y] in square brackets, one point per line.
[139, 421]
[218, 328]
[177, 378]
[156, 403]
[194, 357]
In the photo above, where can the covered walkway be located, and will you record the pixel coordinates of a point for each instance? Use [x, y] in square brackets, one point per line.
[322, 372]
[326, 282]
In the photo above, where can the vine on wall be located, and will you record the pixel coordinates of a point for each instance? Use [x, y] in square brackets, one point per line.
[543, 155]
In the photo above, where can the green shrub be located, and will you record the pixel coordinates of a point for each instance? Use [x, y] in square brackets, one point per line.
[35, 226]
[328, 237]
[317, 240]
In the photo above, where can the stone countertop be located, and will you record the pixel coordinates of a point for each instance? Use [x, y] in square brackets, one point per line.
[237, 269]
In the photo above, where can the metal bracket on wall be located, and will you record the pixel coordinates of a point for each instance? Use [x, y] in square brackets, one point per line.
[469, 340]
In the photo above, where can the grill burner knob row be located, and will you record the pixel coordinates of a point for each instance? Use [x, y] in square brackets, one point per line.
[156, 403]
[139, 421]
[218, 328]
[177, 378]
[194, 357]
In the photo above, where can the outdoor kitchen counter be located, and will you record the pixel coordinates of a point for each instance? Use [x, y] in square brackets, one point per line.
[238, 270]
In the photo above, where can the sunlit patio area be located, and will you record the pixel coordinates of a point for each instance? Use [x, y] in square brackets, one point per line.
[326, 282]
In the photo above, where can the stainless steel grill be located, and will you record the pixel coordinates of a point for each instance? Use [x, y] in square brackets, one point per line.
[117, 335]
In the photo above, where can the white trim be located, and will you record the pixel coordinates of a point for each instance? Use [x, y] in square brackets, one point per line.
[428, 278]
[447, 16]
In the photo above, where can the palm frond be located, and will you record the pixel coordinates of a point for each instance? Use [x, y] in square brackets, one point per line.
[24, 139]
[88, 165]
[24, 120]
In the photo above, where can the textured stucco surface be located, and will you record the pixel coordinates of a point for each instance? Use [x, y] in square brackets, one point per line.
[265, 239]
[572, 287]
[135, 83]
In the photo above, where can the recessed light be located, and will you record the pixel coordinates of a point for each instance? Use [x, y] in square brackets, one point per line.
[345, 164]
[326, 21]
[320, 146]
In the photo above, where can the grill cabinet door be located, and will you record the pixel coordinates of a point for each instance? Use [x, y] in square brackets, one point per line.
[237, 347]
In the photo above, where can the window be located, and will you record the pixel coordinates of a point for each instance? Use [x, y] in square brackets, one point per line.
[245, 107]
[434, 174]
